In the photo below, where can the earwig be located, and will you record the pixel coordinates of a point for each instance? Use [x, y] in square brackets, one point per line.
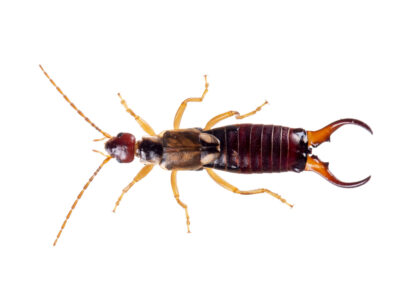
[240, 148]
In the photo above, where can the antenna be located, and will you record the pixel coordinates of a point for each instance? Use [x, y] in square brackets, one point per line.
[79, 197]
[73, 105]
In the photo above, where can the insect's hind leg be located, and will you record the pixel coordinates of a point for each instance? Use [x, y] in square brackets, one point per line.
[234, 189]
[229, 114]
[145, 126]
[176, 195]
[182, 107]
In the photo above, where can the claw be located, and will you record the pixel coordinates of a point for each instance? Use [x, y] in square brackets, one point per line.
[314, 164]
[315, 138]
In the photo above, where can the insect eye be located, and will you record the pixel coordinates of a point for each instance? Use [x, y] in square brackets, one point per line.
[120, 134]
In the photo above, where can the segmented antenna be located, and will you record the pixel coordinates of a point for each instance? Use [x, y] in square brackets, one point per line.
[73, 105]
[79, 197]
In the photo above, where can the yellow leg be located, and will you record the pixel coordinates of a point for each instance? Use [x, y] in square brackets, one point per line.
[176, 195]
[145, 126]
[234, 189]
[142, 174]
[231, 113]
[182, 107]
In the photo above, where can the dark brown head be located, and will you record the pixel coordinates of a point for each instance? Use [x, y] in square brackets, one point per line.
[122, 147]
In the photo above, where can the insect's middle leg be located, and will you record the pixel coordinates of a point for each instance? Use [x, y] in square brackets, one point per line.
[231, 113]
[142, 174]
[234, 189]
[145, 126]
[176, 195]
[182, 107]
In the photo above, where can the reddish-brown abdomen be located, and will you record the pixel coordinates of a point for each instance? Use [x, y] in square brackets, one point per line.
[250, 148]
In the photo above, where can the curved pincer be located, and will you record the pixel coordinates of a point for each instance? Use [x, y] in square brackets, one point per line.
[315, 138]
[314, 164]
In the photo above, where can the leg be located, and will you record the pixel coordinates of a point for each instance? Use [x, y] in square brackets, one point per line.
[176, 195]
[142, 173]
[145, 126]
[231, 113]
[182, 107]
[234, 189]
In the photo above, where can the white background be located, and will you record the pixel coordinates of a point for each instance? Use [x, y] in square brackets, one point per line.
[314, 61]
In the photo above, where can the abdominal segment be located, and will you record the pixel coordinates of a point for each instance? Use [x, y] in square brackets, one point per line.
[254, 148]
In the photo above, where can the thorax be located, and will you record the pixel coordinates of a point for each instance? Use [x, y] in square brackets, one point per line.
[183, 149]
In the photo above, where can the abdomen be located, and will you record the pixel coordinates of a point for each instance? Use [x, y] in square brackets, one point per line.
[254, 148]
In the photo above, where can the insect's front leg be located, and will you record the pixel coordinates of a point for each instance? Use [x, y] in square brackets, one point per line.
[182, 107]
[176, 195]
[145, 126]
[142, 174]
[231, 113]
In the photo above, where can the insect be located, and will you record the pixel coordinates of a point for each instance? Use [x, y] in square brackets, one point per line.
[240, 148]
